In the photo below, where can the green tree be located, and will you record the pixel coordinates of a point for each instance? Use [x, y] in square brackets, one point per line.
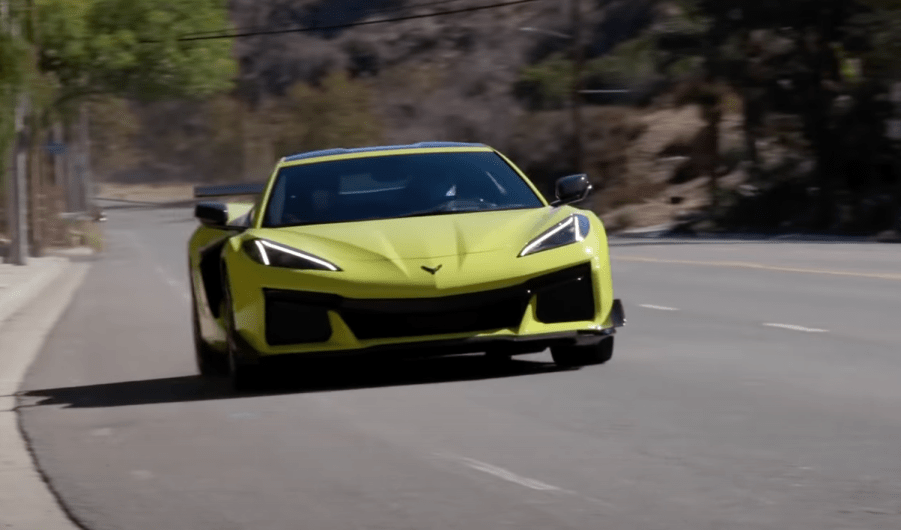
[14, 76]
[825, 61]
[75, 51]
[130, 48]
[548, 84]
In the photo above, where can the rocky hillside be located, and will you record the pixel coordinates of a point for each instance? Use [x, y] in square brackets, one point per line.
[449, 77]
[752, 155]
[458, 77]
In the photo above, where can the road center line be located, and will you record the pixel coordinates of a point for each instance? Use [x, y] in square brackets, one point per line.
[503, 474]
[658, 307]
[760, 266]
[797, 328]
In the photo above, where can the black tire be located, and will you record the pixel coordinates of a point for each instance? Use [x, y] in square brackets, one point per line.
[209, 361]
[497, 357]
[574, 356]
[244, 377]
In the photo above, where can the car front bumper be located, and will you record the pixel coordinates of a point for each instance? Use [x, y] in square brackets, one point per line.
[567, 304]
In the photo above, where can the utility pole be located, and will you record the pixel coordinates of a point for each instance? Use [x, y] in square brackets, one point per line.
[39, 203]
[18, 193]
[84, 159]
[71, 170]
[59, 166]
[575, 11]
[18, 167]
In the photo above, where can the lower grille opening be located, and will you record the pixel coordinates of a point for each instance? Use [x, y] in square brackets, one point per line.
[289, 322]
[570, 301]
[297, 317]
[488, 315]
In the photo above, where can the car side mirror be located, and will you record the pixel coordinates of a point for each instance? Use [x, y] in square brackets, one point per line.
[212, 214]
[572, 189]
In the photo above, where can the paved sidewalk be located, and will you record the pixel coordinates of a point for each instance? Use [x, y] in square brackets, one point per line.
[32, 298]
[18, 284]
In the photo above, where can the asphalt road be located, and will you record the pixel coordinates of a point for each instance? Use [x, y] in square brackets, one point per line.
[757, 386]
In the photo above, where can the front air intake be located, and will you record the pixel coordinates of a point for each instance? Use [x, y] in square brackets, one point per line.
[571, 299]
[290, 322]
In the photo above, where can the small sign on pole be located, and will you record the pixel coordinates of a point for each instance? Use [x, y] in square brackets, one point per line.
[55, 148]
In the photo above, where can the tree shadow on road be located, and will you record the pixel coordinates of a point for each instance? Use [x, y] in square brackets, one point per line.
[289, 378]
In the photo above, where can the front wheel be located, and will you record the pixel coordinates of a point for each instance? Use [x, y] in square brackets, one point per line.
[243, 376]
[209, 361]
[574, 356]
[498, 357]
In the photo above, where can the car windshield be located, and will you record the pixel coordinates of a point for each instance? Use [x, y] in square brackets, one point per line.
[392, 186]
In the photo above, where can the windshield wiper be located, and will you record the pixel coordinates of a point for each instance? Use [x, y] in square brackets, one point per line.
[443, 210]
[438, 210]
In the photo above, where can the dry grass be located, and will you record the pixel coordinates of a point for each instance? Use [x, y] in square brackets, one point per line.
[87, 234]
[643, 196]
[627, 157]
[147, 192]
[658, 208]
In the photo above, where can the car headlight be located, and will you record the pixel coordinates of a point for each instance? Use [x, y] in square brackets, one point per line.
[571, 230]
[274, 254]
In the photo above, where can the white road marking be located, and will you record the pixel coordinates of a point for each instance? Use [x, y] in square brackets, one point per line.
[658, 307]
[760, 266]
[173, 282]
[797, 328]
[170, 280]
[179, 287]
[504, 474]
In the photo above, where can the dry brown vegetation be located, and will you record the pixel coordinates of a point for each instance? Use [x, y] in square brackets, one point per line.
[454, 79]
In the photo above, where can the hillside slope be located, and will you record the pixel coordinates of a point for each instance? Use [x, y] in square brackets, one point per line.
[448, 77]
[452, 77]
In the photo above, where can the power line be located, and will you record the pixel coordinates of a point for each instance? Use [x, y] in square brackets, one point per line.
[404, 7]
[242, 34]
[368, 10]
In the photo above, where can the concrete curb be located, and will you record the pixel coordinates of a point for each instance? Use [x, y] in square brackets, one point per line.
[28, 315]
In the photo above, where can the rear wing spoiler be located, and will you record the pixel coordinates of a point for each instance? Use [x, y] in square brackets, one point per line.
[226, 190]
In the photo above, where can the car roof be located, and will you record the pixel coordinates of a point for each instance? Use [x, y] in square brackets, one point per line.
[420, 145]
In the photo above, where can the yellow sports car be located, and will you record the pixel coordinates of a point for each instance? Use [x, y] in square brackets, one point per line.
[426, 249]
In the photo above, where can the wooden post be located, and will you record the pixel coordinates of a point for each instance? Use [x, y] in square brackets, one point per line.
[59, 160]
[576, 95]
[18, 193]
[38, 200]
[72, 172]
[84, 139]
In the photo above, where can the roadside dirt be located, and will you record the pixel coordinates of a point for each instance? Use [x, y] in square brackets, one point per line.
[147, 192]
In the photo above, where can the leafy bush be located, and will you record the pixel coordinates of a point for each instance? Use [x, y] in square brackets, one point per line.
[547, 84]
[631, 62]
[129, 47]
[338, 113]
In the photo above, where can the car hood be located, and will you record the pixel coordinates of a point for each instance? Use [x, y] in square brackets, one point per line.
[429, 237]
